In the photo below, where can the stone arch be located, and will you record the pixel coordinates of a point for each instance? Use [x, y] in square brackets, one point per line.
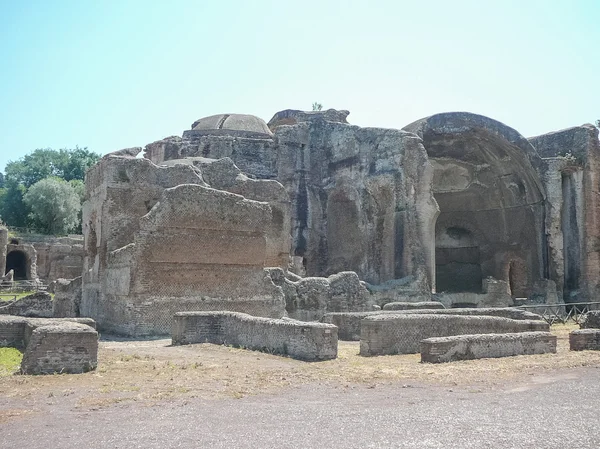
[486, 181]
[16, 260]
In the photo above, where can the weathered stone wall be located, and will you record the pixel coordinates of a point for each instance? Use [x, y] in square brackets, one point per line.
[585, 339]
[30, 260]
[361, 199]
[253, 155]
[349, 323]
[68, 345]
[223, 174]
[469, 347]
[38, 305]
[304, 341]
[67, 298]
[570, 174]
[402, 333]
[186, 247]
[64, 347]
[59, 258]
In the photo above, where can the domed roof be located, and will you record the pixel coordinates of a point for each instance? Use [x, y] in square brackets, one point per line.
[232, 124]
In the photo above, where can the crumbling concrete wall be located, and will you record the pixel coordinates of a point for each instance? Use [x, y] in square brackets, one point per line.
[402, 333]
[349, 323]
[299, 340]
[469, 347]
[585, 339]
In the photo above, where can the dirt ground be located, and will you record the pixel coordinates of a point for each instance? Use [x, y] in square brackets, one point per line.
[147, 372]
[147, 394]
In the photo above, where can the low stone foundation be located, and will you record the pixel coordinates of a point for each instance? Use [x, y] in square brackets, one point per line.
[402, 333]
[299, 340]
[481, 346]
[37, 304]
[348, 323]
[591, 320]
[585, 339]
[426, 305]
[52, 345]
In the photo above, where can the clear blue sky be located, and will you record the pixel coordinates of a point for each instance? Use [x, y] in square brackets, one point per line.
[118, 73]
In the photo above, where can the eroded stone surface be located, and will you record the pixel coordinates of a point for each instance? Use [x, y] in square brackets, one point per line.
[469, 347]
[300, 340]
[402, 333]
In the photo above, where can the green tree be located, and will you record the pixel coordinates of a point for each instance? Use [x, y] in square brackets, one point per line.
[54, 206]
[317, 106]
[13, 210]
[42, 163]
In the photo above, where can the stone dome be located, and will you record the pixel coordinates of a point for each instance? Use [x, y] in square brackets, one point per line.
[232, 124]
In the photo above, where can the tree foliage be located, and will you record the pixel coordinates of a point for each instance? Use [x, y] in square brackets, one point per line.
[45, 162]
[54, 205]
[317, 106]
[68, 165]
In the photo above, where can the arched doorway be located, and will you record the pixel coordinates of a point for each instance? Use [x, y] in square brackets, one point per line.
[17, 261]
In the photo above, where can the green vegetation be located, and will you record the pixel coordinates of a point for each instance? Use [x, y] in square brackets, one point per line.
[56, 179]
[17, 295]
[317, 106]
[10, 360]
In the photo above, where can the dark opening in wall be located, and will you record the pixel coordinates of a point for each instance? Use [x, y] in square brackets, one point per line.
[17, 261]
[457, 261]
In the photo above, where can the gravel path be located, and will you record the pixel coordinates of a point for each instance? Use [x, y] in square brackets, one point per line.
[553, 410]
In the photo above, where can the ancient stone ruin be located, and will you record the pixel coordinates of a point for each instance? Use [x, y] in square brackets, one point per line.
[308, 215]
[52, 346]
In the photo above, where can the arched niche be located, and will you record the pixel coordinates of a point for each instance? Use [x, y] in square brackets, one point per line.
[17, 261]
[486, 176]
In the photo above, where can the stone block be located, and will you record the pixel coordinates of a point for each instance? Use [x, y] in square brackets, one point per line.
[348, 323]
[62, 347]
[479, 346]
[585, 339]
[387, 334]
[299, 340]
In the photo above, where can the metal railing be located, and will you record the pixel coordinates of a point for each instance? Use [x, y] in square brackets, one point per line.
[561, 313]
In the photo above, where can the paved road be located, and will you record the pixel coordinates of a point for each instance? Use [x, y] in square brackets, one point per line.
[556, 410]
